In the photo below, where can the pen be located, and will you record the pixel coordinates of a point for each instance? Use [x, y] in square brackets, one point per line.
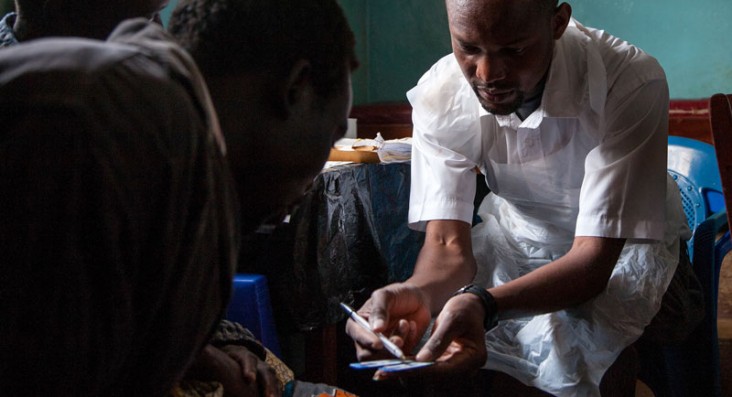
[389, 345]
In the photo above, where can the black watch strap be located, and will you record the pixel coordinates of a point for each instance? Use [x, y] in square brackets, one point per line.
[489, 304]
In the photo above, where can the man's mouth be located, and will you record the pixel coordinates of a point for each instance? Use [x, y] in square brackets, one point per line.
[495, 96]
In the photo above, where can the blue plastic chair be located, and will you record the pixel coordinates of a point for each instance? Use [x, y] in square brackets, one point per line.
[693, 165]
[250, 306]
[692, 367]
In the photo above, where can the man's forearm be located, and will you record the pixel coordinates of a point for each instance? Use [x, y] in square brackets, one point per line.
[573, 279]
[445, 262]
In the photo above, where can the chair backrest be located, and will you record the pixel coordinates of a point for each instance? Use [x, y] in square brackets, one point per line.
[720, 118]
[693, 164]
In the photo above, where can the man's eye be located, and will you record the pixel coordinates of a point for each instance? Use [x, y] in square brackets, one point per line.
[469, 49]
[515, 51]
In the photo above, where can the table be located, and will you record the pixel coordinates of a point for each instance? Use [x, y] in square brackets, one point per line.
[348, 237]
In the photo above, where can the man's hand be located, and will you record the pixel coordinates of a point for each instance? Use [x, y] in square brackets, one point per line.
[240, 371]
[399, 311]
[458, 337]
[457, 343]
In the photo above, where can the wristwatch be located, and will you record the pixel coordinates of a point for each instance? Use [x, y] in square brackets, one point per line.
[489, 304]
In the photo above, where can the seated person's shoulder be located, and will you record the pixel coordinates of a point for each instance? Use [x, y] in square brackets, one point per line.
[133, 85]
[132, 59]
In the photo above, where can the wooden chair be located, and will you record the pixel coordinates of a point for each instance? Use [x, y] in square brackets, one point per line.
[720, 118]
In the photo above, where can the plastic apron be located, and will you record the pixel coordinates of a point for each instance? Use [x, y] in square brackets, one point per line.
[528, 221]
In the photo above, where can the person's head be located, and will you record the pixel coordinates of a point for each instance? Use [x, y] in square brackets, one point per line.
[279, 76]
[505, 47]
[80, 18]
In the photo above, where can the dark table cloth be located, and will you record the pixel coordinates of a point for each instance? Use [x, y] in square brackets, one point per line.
[348, 237]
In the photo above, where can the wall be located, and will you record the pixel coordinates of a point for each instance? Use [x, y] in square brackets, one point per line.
[692, 40]
[8, 5]
[165, 13]
[357, 13]
[398, 40]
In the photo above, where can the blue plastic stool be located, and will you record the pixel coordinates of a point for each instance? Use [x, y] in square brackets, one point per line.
[250, 306]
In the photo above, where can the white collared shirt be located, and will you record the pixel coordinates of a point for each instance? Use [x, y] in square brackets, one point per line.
[590, 161]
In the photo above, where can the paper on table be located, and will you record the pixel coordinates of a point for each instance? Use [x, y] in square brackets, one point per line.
[359, 144]
[385, 151]
[355, 150]
[396, 150]
[331, 164]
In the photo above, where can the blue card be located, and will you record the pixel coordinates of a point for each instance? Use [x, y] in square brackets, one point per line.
[393, 365]
[376, 363]
[406, 366]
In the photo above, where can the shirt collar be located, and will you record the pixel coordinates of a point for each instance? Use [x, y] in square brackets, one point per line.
[7, 35]
[577, 76]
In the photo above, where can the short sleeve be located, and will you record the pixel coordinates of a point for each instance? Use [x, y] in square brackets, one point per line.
[623, 193]
[446, 146]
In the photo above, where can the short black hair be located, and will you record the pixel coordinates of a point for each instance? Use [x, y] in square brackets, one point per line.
[228, 37]
[549, 5]
[37, 10]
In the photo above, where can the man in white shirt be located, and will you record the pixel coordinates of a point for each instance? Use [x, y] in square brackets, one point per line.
[580, 236]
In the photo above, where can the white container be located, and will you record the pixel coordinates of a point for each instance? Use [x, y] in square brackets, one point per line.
[352, 125]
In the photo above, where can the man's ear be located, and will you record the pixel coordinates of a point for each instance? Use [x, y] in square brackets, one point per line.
[297, 87]
[561, 18]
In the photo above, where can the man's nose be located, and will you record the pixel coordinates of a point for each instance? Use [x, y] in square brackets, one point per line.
[490, 69]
